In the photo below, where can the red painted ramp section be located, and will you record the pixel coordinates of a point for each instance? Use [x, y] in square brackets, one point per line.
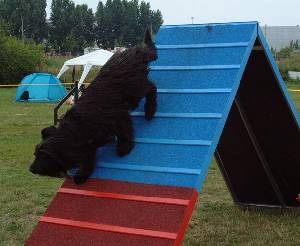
[104, 212]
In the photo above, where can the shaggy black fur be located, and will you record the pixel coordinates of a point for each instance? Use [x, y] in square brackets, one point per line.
[100, 116]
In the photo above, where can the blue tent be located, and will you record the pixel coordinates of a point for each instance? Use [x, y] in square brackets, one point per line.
[40, 87]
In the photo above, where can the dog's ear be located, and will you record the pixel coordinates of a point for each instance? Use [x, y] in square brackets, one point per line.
[148, 38]
[152, 52]
[48, 132]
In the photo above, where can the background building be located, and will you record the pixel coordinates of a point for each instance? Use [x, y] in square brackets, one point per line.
[281, 36]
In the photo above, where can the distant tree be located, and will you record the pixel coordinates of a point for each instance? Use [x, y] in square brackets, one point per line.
[1, 10]
[156, 20]
[74, 27]
[107, 25]
[148, 19]
[38, 28]
[62, 21]
[124, 22]
[70, 43]
[284, 53]
[117, 18]
[131, 26]
[83, 29]
[294, 44]
[16, 13]
[100, 25]
[297, 44]
[18, 59]
[27, 18]
[4, 29]
[109, 22]
[145, 18]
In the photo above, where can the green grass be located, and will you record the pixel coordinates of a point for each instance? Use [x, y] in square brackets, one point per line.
[24, 197]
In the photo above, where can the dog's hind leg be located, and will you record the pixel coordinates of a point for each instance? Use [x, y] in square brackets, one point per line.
[124, 133]
[85, 170]
[150, 104]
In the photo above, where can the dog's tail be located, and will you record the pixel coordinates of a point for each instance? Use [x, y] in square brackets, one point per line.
[152, 51]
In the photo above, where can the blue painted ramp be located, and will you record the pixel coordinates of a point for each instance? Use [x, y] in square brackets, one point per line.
[198, 74]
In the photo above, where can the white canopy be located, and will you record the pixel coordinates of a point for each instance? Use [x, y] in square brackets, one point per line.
[96, 58]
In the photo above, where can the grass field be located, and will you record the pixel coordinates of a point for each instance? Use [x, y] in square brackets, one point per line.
[24, 197]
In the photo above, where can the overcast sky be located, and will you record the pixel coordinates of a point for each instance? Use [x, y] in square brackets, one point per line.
[270, 12]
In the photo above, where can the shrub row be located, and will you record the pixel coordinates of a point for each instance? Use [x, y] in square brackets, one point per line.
[18, 59]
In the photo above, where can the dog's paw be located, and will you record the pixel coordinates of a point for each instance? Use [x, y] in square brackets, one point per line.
[80, 179]
[149, 113]
[149, 116]
[124, 149]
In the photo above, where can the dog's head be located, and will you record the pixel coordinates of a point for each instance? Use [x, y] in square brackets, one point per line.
[46, 163]
[139, 85]
[48, 132]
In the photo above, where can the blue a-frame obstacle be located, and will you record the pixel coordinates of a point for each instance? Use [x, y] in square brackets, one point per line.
[220, 91]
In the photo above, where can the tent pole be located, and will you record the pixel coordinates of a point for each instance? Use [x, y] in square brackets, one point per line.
[75, 85]
[76, 92]
[73, 74]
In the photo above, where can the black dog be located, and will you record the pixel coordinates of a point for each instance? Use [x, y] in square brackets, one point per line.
[100, 115]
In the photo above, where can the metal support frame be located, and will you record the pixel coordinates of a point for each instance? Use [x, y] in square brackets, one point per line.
[75, 92]
[264, 163]
[260, 154]
[226, 177]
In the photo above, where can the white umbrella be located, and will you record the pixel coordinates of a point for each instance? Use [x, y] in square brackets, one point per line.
[96, 58]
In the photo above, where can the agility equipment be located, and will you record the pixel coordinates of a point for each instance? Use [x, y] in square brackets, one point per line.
[106, 212]
[40, 87]
[219, 91]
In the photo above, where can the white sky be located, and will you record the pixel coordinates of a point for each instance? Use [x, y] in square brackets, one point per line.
[270, 12]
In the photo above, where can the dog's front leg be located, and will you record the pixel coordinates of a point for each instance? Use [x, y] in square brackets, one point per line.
[150, 104]
[124, 135]
[85, 170]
